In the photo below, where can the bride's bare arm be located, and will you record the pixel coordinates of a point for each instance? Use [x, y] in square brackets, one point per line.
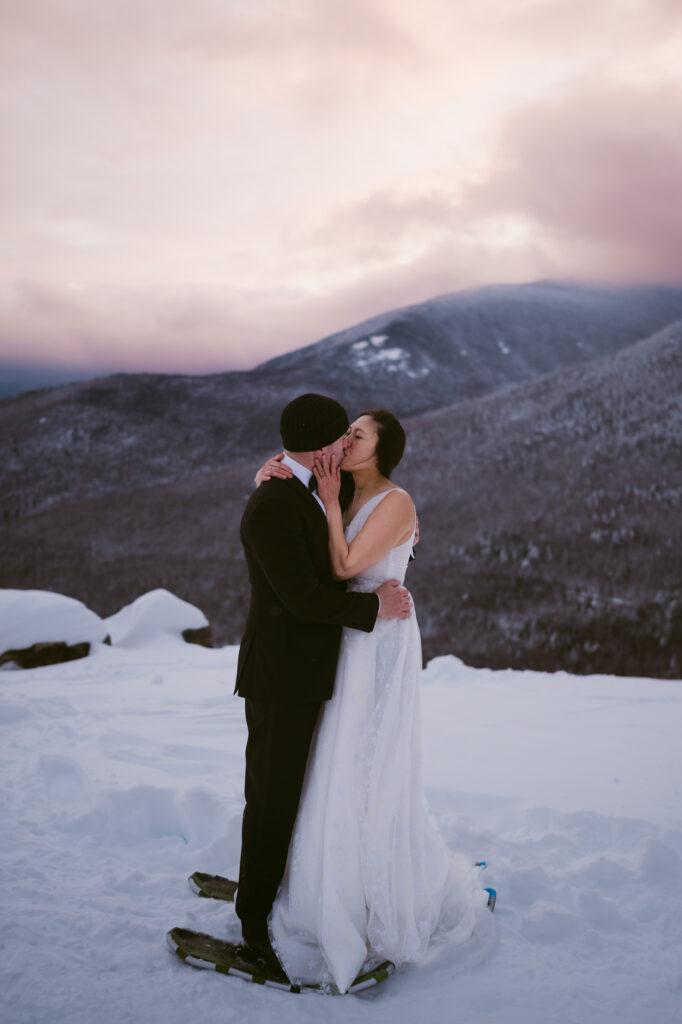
[391, 523]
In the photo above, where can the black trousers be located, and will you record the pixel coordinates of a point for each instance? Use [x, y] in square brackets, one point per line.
[276, 755]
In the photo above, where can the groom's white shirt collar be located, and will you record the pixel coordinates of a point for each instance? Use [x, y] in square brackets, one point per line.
[303, 474]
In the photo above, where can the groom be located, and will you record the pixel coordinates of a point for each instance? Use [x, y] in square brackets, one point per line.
[287, 658]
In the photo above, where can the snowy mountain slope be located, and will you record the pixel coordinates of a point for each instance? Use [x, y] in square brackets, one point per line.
[122, 773]
[550, 515]
[129, 431]
[471, 343]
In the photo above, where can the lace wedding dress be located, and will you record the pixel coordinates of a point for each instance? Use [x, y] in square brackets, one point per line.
[368, 875]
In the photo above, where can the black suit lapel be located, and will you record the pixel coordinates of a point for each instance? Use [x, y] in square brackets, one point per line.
[306, 499]
[316, 520]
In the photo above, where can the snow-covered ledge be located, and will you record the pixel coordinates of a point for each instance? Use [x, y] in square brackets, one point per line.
[158, 613]
[38, 628]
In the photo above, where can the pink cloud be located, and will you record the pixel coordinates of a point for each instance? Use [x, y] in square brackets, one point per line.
[601, 172]
[200, 187]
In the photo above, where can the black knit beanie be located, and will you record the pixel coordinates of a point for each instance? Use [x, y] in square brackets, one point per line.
[311, 422]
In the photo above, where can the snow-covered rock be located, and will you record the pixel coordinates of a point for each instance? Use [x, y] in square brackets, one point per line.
[55, 622]
[158, 613]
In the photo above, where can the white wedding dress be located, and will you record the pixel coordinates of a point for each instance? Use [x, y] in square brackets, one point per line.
[368, 875]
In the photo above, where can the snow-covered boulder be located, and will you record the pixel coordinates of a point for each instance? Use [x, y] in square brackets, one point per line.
[158, 613]
[38, 627]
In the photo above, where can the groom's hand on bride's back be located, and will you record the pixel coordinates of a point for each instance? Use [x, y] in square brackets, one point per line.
[394, 601]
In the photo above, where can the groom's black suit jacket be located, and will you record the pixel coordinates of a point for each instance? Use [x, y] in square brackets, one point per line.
[293, 631]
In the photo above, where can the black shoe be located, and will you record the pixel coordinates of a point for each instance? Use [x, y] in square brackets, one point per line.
[261, 955]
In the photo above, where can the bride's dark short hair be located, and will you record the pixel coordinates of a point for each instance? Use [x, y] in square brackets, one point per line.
[391, 440]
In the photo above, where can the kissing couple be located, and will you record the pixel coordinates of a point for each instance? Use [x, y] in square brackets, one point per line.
[341, 864]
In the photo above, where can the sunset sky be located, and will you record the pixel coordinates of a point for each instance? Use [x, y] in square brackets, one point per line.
[198, 186]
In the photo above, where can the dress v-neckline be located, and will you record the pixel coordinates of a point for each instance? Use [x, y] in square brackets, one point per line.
[385, 491]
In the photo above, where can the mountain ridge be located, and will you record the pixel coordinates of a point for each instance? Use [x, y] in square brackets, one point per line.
[550, 508]
[560, 535]
[89, 437]
[468, 343]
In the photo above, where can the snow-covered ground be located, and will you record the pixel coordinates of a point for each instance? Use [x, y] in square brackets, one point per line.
[122, 773]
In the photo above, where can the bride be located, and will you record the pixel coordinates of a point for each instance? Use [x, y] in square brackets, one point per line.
[368, 876]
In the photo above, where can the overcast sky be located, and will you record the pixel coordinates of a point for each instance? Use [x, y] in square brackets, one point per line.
[198, 186]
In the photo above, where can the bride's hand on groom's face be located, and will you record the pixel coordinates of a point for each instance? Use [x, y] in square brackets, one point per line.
[328, 476]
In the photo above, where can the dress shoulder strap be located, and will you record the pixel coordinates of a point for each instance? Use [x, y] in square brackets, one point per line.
[362, 514]
[377, 497]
